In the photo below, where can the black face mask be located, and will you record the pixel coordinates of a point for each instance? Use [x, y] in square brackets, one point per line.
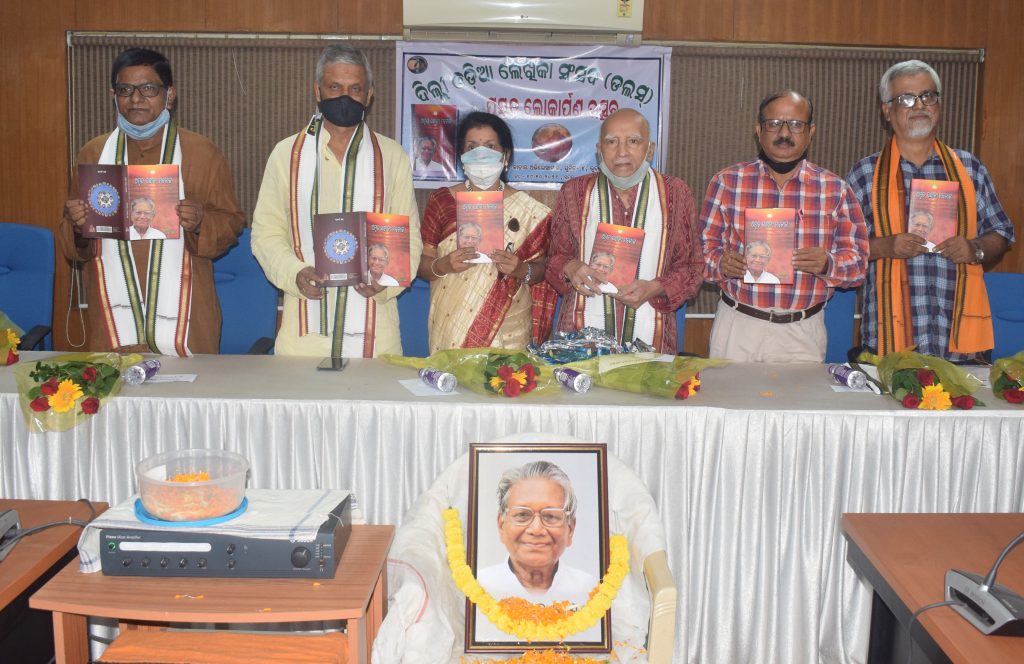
[780, 167]
[343, 111]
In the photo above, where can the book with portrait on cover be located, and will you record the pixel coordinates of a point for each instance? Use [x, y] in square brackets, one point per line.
[133, 202]
[479, 221]
[362, 247]
[933, 210]
[616, 253]
[769, 237]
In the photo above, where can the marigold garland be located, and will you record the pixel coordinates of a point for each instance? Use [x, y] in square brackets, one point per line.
[520, 618]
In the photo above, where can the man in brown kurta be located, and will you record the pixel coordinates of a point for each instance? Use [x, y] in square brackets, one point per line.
[209, 215]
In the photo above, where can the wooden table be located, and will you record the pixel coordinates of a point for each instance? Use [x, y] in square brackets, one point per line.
[905, 558]
[26, 636]
[357, 594]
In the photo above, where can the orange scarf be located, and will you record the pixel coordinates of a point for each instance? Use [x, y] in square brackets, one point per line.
[971, 331]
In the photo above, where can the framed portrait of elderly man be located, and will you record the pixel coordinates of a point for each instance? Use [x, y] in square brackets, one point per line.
[538, 531]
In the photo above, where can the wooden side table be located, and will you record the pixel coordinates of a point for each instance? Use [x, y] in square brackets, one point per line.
[357, 594]
[25, 635]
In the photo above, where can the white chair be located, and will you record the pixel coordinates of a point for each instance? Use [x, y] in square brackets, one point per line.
[425, 619]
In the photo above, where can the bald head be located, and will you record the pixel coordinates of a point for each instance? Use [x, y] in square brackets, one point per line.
[625, 143]
[629, 115]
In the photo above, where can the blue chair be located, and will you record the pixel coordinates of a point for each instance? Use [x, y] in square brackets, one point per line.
[1006, 299]
[26, 281]
[681, 327]
[248, 302]
[413, 309]
[839, 313]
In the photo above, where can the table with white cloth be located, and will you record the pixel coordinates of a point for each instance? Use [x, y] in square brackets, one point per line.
[751, 475]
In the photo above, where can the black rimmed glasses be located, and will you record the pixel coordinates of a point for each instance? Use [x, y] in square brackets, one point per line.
[908, 100]
[795, 126]
[146, 89]
[551, 517]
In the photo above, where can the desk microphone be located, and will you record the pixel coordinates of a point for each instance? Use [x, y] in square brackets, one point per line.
[992, 608]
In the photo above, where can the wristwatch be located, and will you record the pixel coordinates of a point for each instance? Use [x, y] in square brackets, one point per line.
[979, 252]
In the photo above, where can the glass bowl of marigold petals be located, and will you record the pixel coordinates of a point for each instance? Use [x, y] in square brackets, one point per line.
[192, 484]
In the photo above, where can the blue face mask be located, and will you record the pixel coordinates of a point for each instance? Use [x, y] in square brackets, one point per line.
[142, 132]
[482, 155]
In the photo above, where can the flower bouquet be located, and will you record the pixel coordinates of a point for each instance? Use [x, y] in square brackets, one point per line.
[1007, 378]
[9, 340]
[924, 382]
[489, 371]
[647, 373]
[59, 393]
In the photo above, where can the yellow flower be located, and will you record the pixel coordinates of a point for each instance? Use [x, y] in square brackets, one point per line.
[497, 382]
[13, 340]
[64, 398]
[520, 377]
[933, 397]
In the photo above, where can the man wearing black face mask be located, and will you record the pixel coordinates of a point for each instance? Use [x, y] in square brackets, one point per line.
[336, 164]
[779, 323]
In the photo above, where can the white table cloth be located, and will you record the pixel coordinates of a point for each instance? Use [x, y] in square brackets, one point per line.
[751, 475]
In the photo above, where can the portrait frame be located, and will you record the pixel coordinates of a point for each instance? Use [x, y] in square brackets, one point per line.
[583, 560]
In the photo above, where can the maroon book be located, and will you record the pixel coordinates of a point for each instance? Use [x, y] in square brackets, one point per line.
[340, 241]
[134, 202]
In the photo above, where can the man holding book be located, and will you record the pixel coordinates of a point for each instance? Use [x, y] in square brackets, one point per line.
[803, 212]
[649, 219]
[335, 164]
[154, 296]
[934, 300]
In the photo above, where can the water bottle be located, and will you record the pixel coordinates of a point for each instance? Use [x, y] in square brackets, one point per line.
[139, 373]
[848, 376]
[442, 380]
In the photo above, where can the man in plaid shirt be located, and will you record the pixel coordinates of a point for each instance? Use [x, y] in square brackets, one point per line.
[914, 288]
[759, 322]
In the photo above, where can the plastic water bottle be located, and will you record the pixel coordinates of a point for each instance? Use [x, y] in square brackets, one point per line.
[139, 373]
[848, 376]
[442, 380]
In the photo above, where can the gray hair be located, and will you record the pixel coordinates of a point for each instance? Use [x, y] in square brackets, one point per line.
[469, 225]
[603, 254]
[387, 254]
[758, 243]
[336, 54]
[541, 469]
[143, 199]
[905, 68]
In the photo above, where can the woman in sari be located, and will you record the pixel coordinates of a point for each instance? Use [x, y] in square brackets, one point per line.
[503, 303]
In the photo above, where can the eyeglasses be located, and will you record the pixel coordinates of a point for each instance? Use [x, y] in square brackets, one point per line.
[551, 517]
[795, 126]
[907, 100]
[146, 89]
[757, 257]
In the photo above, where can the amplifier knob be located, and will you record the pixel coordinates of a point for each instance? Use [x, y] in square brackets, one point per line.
[231, 563]
[182, 563]
[126, 562]
[164, 562]
[144, 562]
[201, 563]
[230, 549]
[301, 557]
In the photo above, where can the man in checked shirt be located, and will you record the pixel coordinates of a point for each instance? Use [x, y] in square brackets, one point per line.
[768, 322]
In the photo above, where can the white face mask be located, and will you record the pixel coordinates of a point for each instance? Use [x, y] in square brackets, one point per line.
[483, 166]
[629, 181]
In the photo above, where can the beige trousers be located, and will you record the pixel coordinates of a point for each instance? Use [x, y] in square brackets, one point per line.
[742, 338]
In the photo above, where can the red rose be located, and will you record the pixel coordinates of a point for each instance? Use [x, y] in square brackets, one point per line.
[684, 391]
[531, 372]
[512, 388]
[89, 374]
[1013, 395]
[40, 404]
[911, 401]
[530, 384]
[49, 387]
[90, 405]
[925, 377]
[12, 357]
[965, 402]
[505, 371]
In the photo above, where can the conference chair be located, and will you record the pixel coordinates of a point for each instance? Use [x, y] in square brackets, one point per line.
[681, 328]
[839, 311]
[26, 282]
[248, 302]
[413, 309]
[1006, 299]
[425, 618]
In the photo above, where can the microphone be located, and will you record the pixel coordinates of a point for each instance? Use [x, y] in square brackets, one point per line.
[990, 607]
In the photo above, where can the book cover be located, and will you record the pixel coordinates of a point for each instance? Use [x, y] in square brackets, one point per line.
[616, 253]
[769, 237]
[480, 220]
[339, 240]
[433, 132]
[933, 210]
[387, 250]
[134, 202]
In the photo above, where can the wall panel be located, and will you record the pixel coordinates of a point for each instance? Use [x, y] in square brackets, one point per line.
[296, 16]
